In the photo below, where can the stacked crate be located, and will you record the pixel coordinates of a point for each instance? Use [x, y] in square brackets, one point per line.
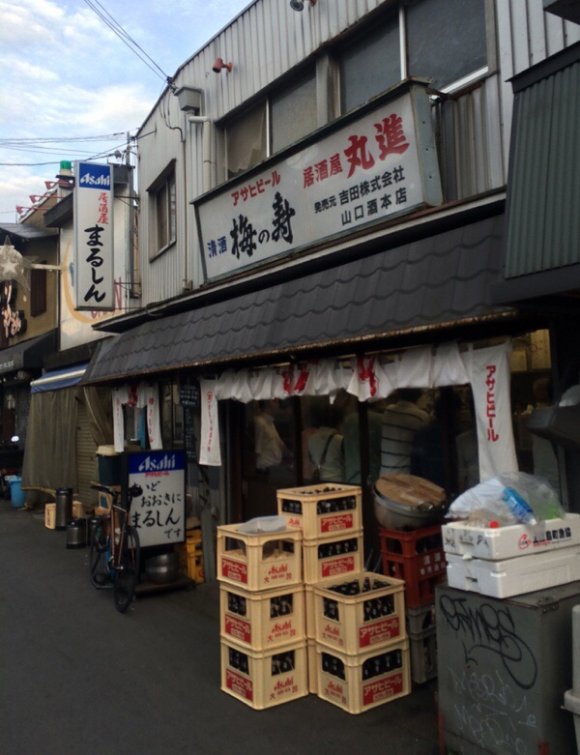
[361, 643]
[191, 556]
[417, 557]
[357, 651]
[329, 517]
[263, 643]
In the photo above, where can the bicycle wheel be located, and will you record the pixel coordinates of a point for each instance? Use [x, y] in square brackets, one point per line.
[99, 560]
[127, 571]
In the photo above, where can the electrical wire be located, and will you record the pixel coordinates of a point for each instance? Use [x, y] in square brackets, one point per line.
[126, 38]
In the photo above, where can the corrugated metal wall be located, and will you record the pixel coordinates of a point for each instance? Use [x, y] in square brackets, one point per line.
[545, 184]
[267, 40]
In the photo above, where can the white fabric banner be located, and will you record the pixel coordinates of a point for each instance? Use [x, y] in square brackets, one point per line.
[210, 451]
[487, 370]
[489, 375]
[140, 396]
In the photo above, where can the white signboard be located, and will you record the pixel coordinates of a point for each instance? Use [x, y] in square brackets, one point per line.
[93, 224]
[378, 166]
[156, 481]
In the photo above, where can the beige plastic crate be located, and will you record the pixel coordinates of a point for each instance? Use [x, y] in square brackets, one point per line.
[357, 683]
[309, 605]
[312, 667]
[332, 559]
[50, 516]
[361, 613]
[262, 620]
[259, 561]
[262, 680]
[324, 510]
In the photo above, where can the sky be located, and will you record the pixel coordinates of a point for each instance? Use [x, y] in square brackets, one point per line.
[65, 75]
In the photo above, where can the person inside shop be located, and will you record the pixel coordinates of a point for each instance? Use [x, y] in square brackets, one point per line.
[325, 446]
[270, 449]
[401, 420]
[351, 433]
[466, 444]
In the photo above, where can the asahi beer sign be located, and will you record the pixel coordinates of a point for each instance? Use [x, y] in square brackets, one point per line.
[93, 223]
[379, 166]
[156, 480]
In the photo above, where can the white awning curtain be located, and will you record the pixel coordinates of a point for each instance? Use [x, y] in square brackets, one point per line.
[486, 369]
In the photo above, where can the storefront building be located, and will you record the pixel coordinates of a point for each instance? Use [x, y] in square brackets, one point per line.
[65, 422]
[321, 238]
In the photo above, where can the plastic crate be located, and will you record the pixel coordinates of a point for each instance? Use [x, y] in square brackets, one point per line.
[362, 613]
[50, 516]
[191, 557]
[312, 667]
[357, 683]
[324, 510]
[332, 559]
[416, 557]
[421, 575]
[259, 561]
[264, 679]
[310, 611]
[420, 619]
[414, 543]
[264, 620]
[423, 647]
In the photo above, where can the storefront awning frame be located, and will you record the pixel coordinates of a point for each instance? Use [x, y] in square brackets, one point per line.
[436, 283]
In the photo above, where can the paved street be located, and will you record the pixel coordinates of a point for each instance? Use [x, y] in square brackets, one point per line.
[77, 677]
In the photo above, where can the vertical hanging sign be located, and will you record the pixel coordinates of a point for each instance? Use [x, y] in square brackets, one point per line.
[93, 227]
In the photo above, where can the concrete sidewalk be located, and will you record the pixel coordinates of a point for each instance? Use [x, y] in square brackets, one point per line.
[78, 677]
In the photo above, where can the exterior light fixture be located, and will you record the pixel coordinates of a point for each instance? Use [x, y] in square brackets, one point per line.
[299, 4]
[219, 66]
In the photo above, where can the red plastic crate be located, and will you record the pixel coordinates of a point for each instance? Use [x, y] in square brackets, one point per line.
[413, 543]
[418, 558]
[421, 575]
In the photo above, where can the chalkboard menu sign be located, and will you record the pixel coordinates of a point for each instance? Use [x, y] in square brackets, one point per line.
[189, 395]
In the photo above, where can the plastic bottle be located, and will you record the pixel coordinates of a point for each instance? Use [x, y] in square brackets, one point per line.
[518, 506]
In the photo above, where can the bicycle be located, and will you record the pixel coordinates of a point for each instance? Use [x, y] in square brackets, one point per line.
[115, 552]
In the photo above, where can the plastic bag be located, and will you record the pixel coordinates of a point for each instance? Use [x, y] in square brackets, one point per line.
[516, 498]
[263, 524]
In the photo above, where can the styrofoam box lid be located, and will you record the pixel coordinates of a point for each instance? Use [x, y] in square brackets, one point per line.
[511, 541]
[514, 576]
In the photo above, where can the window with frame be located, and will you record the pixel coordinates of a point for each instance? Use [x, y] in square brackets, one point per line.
[283, 118]
[370, 64]
[441, 40]
[446, 41]
[164, 217]
[37, 292]
[246, 143]
[293, 113]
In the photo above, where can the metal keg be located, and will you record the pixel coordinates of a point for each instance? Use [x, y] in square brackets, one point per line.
[76, 533]
[63, 515]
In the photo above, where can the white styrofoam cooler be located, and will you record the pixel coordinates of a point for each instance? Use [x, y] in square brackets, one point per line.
[514, 576]
[463, 539]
